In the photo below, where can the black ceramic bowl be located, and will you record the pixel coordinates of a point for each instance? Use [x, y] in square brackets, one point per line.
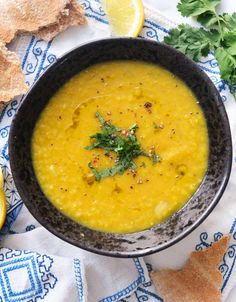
[181, 223]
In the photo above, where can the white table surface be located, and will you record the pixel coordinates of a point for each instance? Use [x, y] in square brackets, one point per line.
[169, 9]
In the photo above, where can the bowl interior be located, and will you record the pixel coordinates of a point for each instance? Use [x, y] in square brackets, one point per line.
[182, 222]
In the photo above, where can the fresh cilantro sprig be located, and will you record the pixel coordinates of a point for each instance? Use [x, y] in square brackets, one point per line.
[124, 143]
[197, 7]
[218, 35]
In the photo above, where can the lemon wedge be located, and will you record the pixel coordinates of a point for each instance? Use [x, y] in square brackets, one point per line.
[126, 17]
[3, 207]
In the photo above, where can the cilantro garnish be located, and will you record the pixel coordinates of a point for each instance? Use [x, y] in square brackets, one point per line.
[123, 143]
[218, 34]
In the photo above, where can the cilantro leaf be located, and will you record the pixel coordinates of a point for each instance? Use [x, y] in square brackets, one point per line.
[107, 172]
[218, 34]
[230, 42]
[194, 42]
[196, 7]
[208, 19]
[228, 21]
[125, 145]
[227, 64]
[223, 23]
[106, 126]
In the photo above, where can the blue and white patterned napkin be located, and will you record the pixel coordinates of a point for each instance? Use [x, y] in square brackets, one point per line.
[37, 266]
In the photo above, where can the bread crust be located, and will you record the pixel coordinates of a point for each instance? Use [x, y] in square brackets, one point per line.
[200, 279]
[38, 16]
[12, 80]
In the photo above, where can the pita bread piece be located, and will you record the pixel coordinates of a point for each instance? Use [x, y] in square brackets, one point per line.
[33, 16]
[12, 82]
[74, 17]
[199, 281]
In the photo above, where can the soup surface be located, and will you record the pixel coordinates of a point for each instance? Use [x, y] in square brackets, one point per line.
[168, 126]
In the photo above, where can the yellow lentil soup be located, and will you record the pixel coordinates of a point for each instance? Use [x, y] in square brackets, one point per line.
[147, 109]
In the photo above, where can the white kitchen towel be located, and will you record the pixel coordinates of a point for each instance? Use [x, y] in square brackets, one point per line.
[37, 266]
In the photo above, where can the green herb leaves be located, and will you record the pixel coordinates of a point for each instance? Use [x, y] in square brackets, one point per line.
[196, 7]
[219, 35]
[194, 42]
[229, 20]
[227, 64]
[123, 143]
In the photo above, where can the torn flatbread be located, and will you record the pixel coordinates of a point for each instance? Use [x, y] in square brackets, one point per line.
[47, 18]
[12, 81]
[74, 17]
[200, 279]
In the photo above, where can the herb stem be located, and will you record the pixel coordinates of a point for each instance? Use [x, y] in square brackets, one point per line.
[219, 24]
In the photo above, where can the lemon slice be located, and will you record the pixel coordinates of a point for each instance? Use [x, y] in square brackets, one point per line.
[3, 207]
[126, 17]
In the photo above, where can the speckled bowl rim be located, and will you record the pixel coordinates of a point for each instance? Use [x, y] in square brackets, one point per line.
[191, 228]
